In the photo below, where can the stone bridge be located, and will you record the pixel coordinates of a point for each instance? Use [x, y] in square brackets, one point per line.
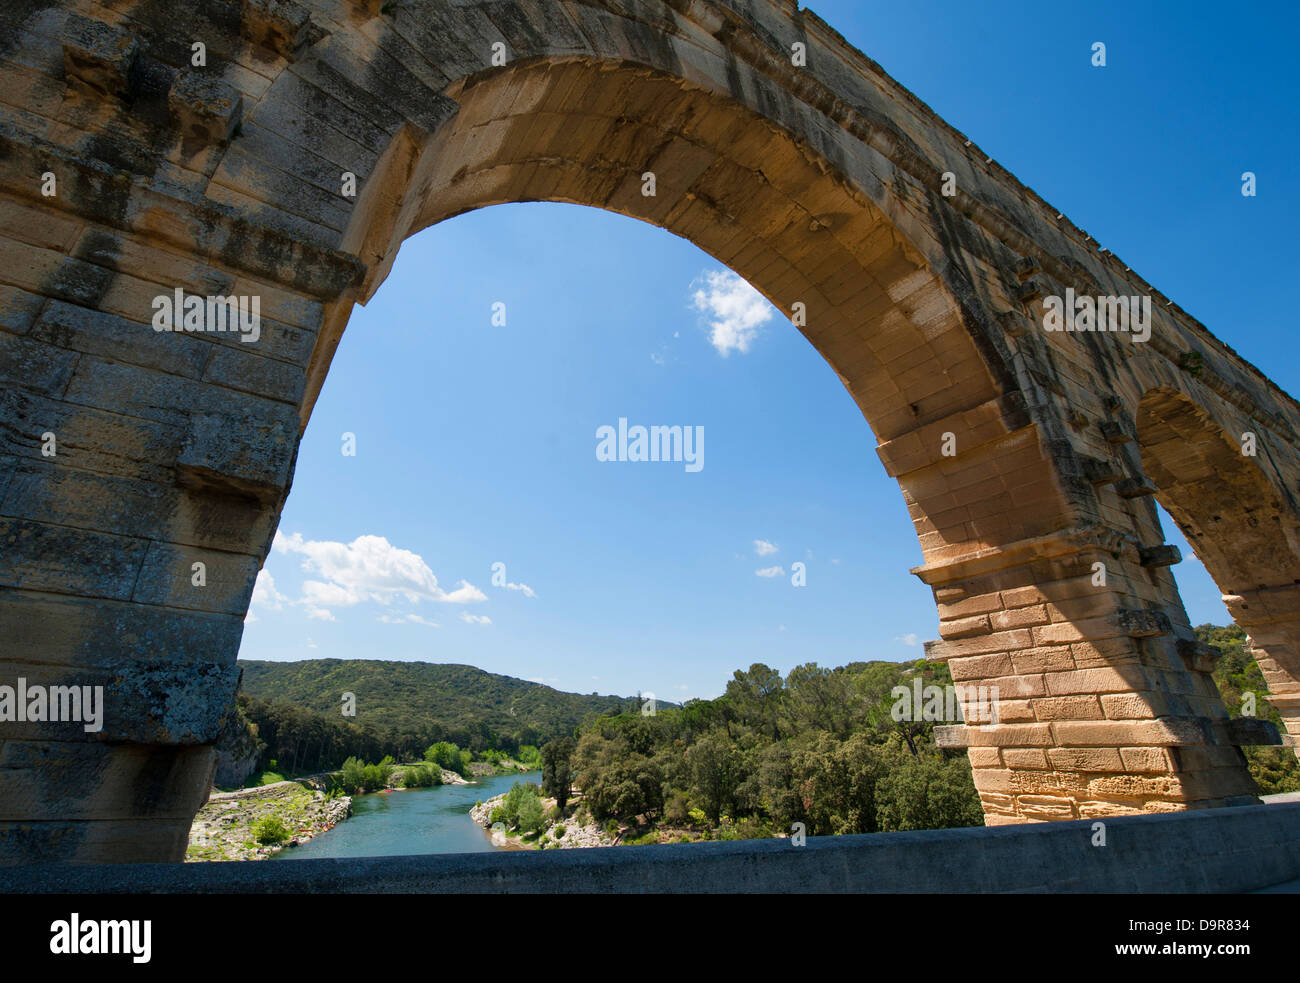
[282, 150]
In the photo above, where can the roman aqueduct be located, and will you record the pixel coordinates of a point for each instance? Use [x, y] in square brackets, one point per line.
[1026, 457]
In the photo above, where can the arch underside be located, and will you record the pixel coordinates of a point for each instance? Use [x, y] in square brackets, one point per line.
[1229, 500]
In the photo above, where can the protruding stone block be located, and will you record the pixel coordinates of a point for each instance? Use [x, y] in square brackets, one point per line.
[1115, 432]
[281, 25]
[1135, 487]
[1097, 471]
[1252, 731]
[1027, 266]
[206, 108]
[98, 55]
[1164, 555]
[1031, 290]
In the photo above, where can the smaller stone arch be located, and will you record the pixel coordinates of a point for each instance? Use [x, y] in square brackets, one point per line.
[1229, 498]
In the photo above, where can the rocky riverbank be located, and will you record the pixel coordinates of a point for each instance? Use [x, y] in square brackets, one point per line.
[223, 828]
[574, 835]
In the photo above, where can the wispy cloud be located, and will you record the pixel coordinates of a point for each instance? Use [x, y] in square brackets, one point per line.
[734, 309]
[413, 619]
[776, 571]
[763, 548]
[910, 640]
[475, 619]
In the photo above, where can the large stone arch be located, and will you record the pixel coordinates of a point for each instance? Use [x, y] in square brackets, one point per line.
[824, 183]
[1227, 492]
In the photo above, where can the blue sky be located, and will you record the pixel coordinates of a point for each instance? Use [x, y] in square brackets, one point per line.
[475, 443]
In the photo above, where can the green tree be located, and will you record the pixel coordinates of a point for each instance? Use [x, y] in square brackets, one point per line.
[927, 792]
[447, 756]
[715, 773]
[557, 769]
[531, 817]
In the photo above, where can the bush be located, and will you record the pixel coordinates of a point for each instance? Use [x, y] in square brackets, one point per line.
[531, 818]
[375, 777]
[446, 755]
[352, 775]
[530, 756]
[422, 776]
[497, 815]
[677, 809]
[559, 832]
[270, 829]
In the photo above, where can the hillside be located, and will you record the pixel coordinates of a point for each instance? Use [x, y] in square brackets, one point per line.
[413, 697]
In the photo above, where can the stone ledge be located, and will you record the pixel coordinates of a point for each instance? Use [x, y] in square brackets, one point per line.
[1181, 852]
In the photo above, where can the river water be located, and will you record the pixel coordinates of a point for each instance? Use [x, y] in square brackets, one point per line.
[418, 820]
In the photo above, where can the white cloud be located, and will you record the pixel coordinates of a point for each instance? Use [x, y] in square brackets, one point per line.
[369, 568]
[264, 593]
[735, 310]
[475, 619]
[528, 591]
[776, 571]
[763, 548]
[311, 644]
[413, 619]
[909, 639]
[319, 614]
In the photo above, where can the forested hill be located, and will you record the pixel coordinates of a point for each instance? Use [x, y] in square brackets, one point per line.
[412, 697]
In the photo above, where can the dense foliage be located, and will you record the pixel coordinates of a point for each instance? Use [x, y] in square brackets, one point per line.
[1275, 769]
[415, 704]
[521, 809]
[818, 747]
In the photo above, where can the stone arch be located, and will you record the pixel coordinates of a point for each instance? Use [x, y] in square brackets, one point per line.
[820, 182]
[1238, 515]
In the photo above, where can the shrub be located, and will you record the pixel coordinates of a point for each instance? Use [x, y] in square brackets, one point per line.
[422, 776]
[531, 819]
[446, 755]
[352, 775]
[559, 832]
[270, 829]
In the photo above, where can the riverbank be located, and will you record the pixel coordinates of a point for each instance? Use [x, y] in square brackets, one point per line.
[414, 822]
[565, 834]
[223, 828]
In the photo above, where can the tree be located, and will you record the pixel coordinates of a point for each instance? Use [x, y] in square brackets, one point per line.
[927, 793]
[447, 756]
[531, 818]
[757, 695]
[557, 769]
[714, 773]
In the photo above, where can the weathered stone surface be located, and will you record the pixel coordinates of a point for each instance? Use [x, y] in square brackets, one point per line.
[820, 182]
